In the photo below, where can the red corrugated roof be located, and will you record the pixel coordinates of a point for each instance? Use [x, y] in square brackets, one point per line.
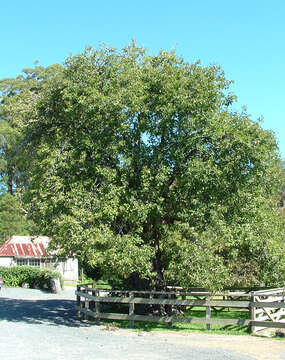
[19, 249]
[7, 250]
[38, 250]
[27, 250]
[25, 246]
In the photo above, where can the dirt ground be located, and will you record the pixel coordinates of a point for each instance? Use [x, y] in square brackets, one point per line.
[39, 326]
[251, 346]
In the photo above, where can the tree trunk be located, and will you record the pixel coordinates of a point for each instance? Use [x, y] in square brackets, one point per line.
[10, 184]
[157, 264]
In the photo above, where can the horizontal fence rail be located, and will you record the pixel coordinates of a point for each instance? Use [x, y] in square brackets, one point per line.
[263, 310]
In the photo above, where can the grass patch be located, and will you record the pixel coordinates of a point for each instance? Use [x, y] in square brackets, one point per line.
[100, 284]
[184, 327]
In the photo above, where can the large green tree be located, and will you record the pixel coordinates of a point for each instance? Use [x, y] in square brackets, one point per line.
[139, 167]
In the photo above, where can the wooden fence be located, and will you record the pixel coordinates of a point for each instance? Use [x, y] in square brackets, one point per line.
[266, 307]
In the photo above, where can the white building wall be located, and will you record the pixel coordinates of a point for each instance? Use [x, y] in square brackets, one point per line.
[68, 269]
[6, 261]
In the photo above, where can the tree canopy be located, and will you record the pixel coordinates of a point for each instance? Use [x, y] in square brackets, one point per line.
[138, 166]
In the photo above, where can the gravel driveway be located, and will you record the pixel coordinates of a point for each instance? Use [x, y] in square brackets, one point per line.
[35, 325]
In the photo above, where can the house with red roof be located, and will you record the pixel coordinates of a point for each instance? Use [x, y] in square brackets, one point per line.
[33, 251]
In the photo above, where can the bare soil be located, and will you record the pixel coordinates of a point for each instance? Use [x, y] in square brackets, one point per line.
[39, 326]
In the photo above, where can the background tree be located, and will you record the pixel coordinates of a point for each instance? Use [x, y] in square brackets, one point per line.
[281, 197]
[17, 97]
[140, 168]
[13, 220]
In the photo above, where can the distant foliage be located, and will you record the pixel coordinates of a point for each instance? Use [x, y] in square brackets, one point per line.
[35, 277]
[13, 220]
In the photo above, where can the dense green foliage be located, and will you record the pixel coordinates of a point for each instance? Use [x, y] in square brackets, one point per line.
[16, 97]
[13, 220]
[281, 198]
[33, 276]
[138, 166]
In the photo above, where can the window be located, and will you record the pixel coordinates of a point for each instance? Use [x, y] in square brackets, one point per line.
[21, 262]
[35, 262]
[29, 262]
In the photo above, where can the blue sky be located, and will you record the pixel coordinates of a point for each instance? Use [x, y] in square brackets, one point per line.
[245, 37]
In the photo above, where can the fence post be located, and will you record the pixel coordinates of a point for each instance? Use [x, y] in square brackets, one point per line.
[131, 309]
[170, 308]
[151, 305]
[78, 302]
[86, 304]
[252, 311]
[182, 308]
[97, 307]
[92, 303]
[208, 312]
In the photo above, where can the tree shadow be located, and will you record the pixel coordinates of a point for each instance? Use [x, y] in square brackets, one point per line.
[52, 312]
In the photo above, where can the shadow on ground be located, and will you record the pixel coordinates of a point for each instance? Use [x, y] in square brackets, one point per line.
[52, 312]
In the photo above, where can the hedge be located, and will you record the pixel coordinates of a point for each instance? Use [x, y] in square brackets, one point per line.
[33, 276]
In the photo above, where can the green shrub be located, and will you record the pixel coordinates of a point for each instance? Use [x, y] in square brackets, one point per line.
[33, 276]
